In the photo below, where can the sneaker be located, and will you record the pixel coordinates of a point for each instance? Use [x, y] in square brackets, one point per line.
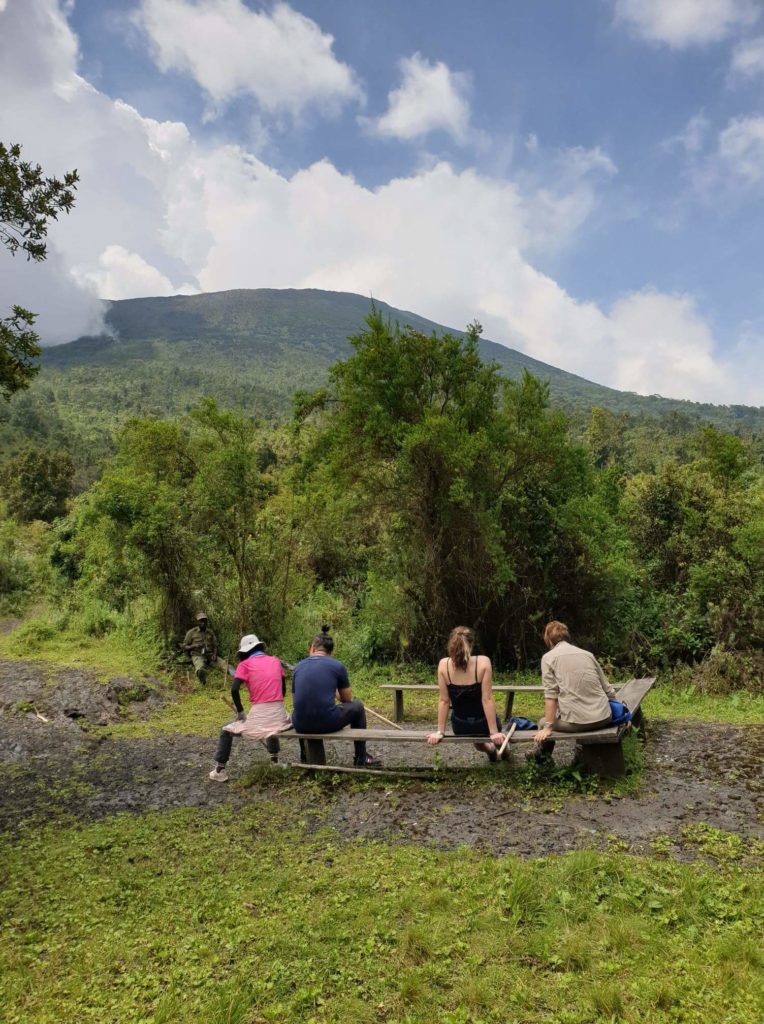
[219, 775]
[367, 761]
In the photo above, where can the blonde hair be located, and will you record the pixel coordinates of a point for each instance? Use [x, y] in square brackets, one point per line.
[460, 646]
[554, 632]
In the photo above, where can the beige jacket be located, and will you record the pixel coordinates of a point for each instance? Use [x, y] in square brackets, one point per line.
[575, 679]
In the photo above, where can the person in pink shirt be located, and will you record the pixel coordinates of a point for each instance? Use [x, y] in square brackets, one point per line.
[263, 676]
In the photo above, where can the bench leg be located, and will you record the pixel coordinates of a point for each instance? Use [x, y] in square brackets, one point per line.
[508, 706]
[398, 705]
[604, 759]
[638, 721]
[314, 752]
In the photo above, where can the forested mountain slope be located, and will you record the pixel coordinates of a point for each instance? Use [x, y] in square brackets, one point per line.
[250, 349]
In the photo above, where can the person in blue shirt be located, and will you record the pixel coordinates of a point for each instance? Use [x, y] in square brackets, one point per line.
[317, 681]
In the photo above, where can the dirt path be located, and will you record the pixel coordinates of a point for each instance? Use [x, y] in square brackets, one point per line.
[694, 773]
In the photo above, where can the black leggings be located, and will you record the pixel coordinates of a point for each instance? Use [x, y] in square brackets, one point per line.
[225, 743]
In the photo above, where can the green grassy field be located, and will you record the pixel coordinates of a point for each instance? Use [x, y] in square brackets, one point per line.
[246, 917]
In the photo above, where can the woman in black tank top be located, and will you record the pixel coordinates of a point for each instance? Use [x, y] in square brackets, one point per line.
[464, 682]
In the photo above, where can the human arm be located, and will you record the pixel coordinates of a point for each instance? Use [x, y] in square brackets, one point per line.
[551, 692]
[606, 684]
[550, 715]
[187, 644]
[489, 704]
[343, 684]
[236, 695]
[444, 703]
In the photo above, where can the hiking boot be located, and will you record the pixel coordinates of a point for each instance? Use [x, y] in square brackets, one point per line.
[219, 774]
[366, 761]
[201, 675]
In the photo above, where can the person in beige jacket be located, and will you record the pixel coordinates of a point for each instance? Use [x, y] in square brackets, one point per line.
[576, 690]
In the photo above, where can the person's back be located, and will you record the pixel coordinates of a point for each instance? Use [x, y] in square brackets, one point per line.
[574, 677]
[263, 676]
[316, 681]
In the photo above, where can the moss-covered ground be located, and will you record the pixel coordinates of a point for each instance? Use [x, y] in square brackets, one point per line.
[252, 916]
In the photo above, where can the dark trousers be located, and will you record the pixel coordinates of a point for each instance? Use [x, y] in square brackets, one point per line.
[225, 743]
[350, 713]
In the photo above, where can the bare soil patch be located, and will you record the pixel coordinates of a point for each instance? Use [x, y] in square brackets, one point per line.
[70, 766]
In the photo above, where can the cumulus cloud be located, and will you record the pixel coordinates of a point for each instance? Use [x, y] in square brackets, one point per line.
[159, 211]
[430, 98]
[741, 148]
[684, 23]
[279, 57]
[122, 275]
[748, 58]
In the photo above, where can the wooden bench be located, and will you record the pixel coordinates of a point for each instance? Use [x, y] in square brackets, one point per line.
[400, 688]
[602, 748]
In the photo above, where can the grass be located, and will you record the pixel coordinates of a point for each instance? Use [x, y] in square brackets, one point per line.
[245, 917]
[46, 638]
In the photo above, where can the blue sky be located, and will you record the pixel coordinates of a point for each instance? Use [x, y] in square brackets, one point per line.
[585, 178]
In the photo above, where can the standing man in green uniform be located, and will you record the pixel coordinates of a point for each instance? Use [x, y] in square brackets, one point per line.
[202, 646]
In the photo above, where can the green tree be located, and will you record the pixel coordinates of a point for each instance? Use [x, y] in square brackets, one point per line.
[460, 492]
[37, 483]
[28, 201]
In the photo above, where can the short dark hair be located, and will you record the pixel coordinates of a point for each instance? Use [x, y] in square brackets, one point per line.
[322, 641]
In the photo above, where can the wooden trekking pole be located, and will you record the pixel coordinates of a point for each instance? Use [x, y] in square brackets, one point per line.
[509, 736]
[382, 718]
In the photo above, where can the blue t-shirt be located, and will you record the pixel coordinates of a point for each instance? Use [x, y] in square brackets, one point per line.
[315, 682]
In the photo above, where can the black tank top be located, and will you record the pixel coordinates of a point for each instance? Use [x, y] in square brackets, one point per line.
[466, 698]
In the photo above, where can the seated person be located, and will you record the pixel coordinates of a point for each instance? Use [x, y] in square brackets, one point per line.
[316, 681]
[263, 676]
[576, 690]
[465, 685]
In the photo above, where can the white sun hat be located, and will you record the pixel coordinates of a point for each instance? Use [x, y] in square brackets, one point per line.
[248, 642]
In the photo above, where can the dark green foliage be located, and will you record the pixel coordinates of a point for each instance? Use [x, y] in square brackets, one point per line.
[19, 349]
[36, 484]
[415, 488]
[28, 201]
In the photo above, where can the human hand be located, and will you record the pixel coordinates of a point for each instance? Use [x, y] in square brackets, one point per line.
[434, 737]
[542, 734]
[497, 738]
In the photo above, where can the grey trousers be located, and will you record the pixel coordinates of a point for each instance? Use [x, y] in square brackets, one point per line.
[559, 726]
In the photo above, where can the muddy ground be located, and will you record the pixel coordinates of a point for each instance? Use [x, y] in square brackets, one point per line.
[69, 765]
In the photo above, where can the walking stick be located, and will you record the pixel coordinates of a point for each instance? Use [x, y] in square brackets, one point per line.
[383, 719]
[510, 734]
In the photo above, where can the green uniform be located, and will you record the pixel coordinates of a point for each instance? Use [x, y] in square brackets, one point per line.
[202, 646]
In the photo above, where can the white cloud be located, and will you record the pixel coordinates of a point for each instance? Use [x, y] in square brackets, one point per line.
[748, 58]
[683, 23]
[693, 136]
[158, 210]
[280, 57]
[741, 148]
[430, 98]
[125, 275]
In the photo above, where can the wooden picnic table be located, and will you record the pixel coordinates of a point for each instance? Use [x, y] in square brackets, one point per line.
[400, 688]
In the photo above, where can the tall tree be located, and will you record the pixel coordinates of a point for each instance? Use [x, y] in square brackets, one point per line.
[28, 201]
